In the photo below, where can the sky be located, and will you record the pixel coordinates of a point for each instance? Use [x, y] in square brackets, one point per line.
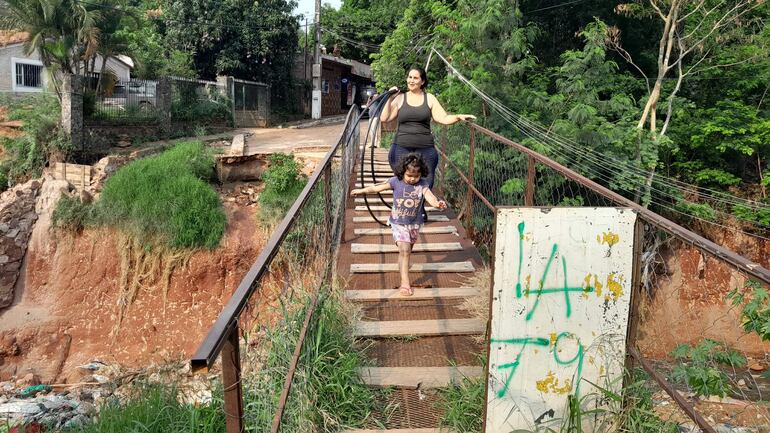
[307, 7]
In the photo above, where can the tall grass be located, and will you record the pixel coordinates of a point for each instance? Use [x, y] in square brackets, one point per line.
[156, 409]
[283, 182]
[326, 393]
[166, 199]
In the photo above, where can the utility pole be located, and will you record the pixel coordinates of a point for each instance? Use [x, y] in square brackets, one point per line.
[317, 63]
[304, 54]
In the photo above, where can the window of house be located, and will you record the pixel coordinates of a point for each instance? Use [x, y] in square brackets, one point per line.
[28, 75]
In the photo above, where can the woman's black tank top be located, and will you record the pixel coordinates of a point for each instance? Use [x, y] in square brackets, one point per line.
[414, 125]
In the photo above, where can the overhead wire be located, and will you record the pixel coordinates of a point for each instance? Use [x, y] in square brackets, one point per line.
[599, 159]
[532, 133]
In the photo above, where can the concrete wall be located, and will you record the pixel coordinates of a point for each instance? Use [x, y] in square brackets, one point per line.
[561, 299]
[7, 70]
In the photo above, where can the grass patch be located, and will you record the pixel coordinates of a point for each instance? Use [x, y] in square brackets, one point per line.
[462, 405]
[327, 394]
[166, 199]
[71, 215]
[42, 139]
[156, 409]
[283, 183]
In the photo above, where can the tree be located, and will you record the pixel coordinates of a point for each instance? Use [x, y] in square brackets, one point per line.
[260, 45]
[63, 32]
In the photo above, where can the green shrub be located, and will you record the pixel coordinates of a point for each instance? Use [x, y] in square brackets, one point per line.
[283, 183]
[700, 369]
[71, 214]
[155, 409]
[42, 138]
[755, 313]
[165, 198]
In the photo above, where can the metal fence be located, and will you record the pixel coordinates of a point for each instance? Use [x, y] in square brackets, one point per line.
[686, 329]
[292, 274]
[109, 99]
[251, 103]
[195, 100]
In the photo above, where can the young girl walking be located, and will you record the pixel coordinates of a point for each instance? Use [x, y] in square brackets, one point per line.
[409, 187]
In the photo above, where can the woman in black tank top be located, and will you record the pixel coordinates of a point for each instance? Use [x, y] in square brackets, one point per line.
[414, 111]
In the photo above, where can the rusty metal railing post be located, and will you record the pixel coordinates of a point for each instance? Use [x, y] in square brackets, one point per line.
[231, 380]
[529, 193]
[328, 205]
[469, 199]
[636, 292]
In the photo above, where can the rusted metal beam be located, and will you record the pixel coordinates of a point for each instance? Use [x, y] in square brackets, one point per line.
[636, 292]
[209, 349]
[736, 260]
[684, 404]
[529, 193]
[293, 366]
[231, 381]
[469, 196]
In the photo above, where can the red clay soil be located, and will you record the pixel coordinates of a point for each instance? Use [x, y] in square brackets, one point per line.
[67, 311]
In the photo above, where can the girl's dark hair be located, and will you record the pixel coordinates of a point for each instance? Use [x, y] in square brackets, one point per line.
[423, 75]
[413, 160]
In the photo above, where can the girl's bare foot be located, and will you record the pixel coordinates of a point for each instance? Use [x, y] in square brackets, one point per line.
[405, 291]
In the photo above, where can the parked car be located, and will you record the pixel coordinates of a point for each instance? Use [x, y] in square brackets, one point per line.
[139, 94]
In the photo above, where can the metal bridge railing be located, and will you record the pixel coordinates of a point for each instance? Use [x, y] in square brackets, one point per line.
[292, 272]
[681, 280]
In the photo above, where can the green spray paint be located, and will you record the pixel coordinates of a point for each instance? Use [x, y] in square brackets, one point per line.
[521, 258]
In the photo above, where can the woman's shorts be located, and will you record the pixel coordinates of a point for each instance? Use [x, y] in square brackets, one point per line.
[405, 232]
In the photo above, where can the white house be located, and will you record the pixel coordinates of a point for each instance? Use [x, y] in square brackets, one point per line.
[25, 73]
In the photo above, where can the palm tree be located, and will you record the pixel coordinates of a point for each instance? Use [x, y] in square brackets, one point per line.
[63, 32]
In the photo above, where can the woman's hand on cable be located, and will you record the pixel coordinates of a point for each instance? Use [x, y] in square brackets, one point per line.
[466, 117]
[395, 90]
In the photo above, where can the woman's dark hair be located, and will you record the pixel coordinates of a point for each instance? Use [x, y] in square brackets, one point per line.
[413, 160]
[423, 75]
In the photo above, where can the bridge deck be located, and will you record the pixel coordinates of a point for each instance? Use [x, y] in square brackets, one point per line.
[404, 335]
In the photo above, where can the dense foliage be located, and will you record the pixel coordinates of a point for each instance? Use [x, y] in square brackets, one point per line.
[594, 76]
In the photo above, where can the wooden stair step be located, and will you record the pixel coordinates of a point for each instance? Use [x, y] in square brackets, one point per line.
[370, 219]
[395, 328]
[361, 200]
[382, 207]
[363, 268]
[374, 194]
[416, 377]
[400, 430]
[417, 248]
[419, 294]
[425, 230]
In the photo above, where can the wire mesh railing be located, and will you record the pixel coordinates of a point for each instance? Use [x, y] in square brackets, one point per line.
[699, 311]
[108, 99]
[260, 336]
[199, 100]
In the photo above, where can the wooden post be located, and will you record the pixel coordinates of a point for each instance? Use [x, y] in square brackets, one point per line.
[529, 193]
[231, 380]
[469, 200]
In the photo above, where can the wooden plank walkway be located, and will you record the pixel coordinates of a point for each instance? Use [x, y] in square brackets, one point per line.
[415, 342]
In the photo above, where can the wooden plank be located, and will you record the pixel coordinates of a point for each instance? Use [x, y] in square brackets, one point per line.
[425, 230]
[371, 201]
[400, 430]
[362, 268]
[419, 294]
[388, 192]
[395, 328]
[417, 248]
[382, 207]
[416, 377]
[370, 219]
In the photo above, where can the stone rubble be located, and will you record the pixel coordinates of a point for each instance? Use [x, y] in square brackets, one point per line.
[17, 218]
[63, 406]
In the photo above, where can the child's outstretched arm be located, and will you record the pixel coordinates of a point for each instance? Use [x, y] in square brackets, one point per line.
[380, 187]
[433, 201]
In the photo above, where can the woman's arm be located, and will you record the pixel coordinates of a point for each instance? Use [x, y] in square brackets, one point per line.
[380, 187]
[390, 111]
[441, 116]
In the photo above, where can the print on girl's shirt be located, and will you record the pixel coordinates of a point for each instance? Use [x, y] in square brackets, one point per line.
[407, 201]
